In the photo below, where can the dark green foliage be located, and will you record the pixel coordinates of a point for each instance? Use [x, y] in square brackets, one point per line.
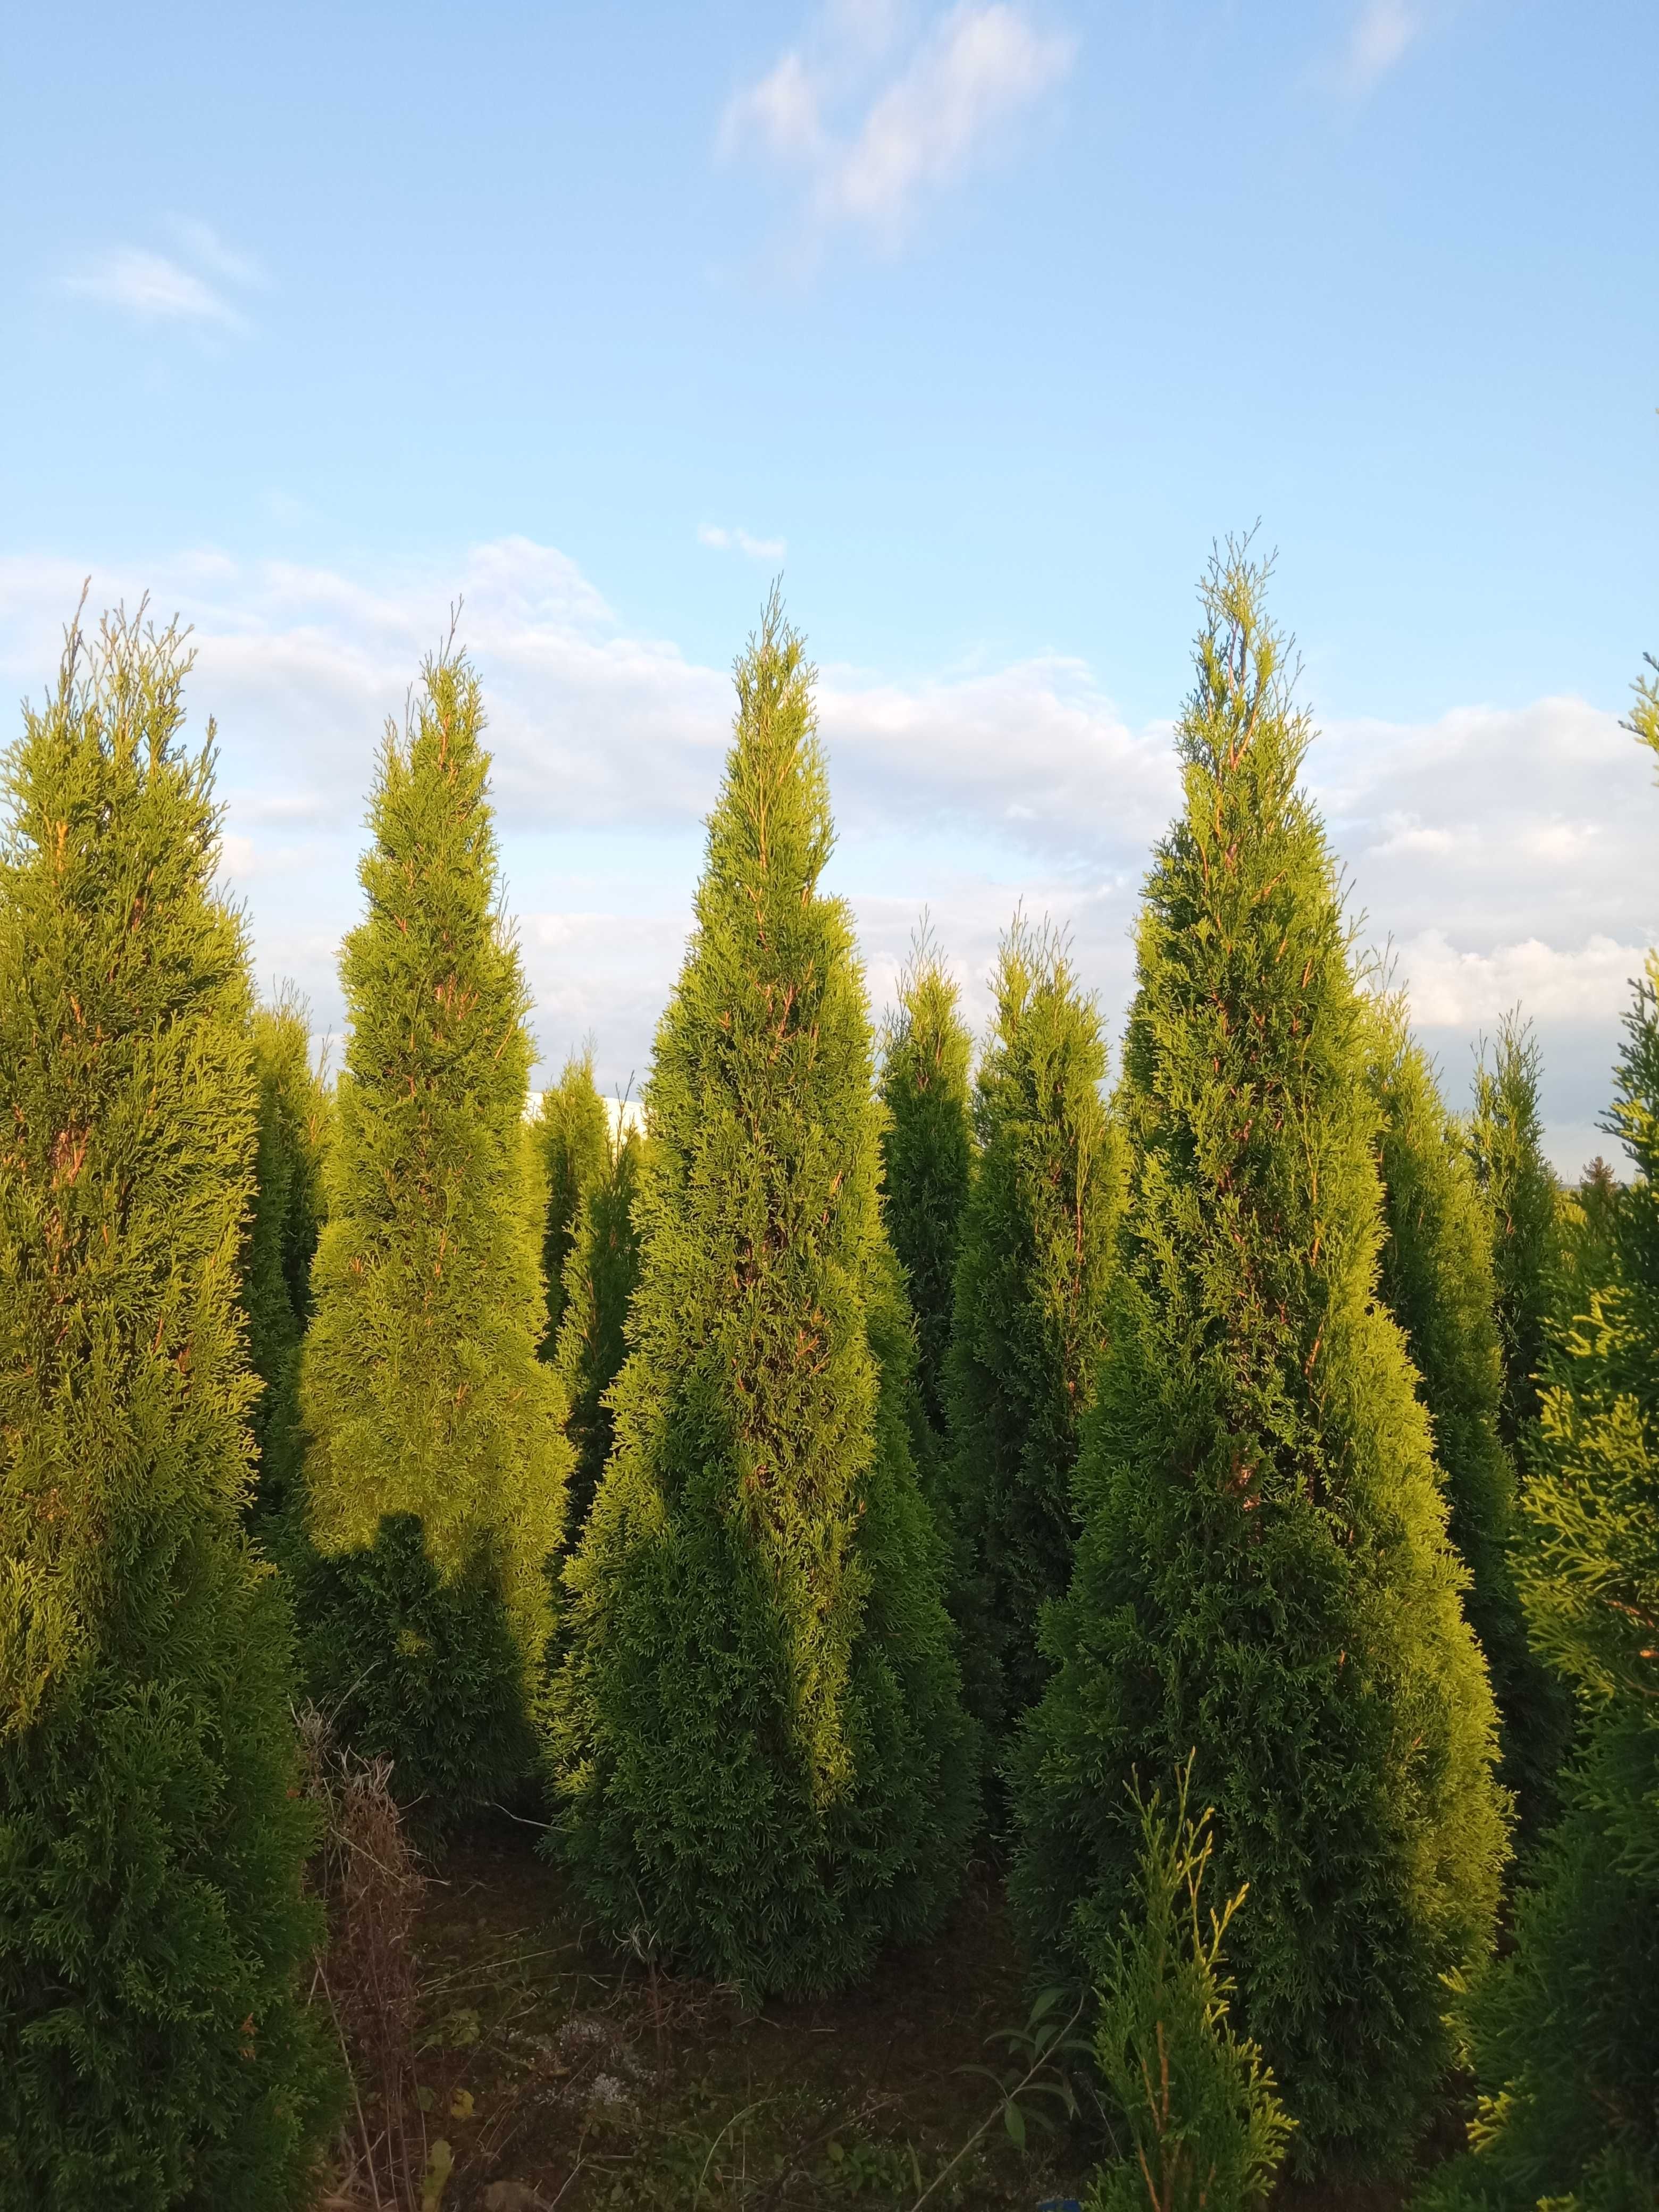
[601, 1273]
[755, 1731]
[1197, 2124]
[1588, 1216]
[1564, 2032]
[153, 2051]
[1506, 1142]
[282, 1237]
[1263, 1572]
[927, 1152]
[423, 1400]
[572, 1142]
[1029, 1325]
[1436, 1280]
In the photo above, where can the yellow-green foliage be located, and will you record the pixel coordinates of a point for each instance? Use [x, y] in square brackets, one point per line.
[601, 1273]
[927, 1152]
[282, 1237]
[1263, 1572]
[1563, 2033]
[1506, 1143]
[571, 1142]
[1437, 1281]
[755, 1732]
[1029, 1322]
[1197, 2118]
[153, 2052]
[436, 1463]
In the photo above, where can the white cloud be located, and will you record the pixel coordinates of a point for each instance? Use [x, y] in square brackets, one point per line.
[1379, 37]
[872, 142]
[1506, 854]
[722, 540]
[156, 288]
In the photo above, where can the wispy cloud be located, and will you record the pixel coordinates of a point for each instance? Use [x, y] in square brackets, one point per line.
[739, 541]
[872, 123]
[1380, 32]
[191, 290]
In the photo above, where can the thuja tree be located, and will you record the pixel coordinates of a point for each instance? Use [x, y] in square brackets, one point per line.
[754, 1734]
[572, 1146]
[1564, 2032]
[282, 1237]
[153, 2051]
[435, 1461]
[1506, 1142]
[1437, 1280]
[1030, 1308]
[926, 1151]
[1263, 1578]
[600, 1275]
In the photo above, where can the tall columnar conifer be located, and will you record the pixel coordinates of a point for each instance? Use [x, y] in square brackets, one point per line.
[1031, 1298]
[1506, 1142]
[1264, 1578]
[153, 2051]
[926, 1151]
[1437, 1281]
[601, 1273]
[571, 1141]
[436, 1462]
[282, 1239]
[756, 1733]
[1565, 2031]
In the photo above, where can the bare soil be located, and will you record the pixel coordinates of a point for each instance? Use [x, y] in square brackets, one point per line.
[559, 2074]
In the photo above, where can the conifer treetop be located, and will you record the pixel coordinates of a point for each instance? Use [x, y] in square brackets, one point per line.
[421, 1393]
[1259, 1211]
[123, 983]
[758, 1206]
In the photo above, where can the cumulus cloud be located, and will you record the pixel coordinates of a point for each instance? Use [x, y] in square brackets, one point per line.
[158, 288]
[721, 540]
[1504, 854]
[872, 127]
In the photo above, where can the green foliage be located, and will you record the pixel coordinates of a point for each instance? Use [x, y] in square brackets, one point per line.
[1437, 1281]
[1506, 1143]
[571, 1138]
[1264, 1572]
[436, 1464]
[755, 1731]
[926, 1151]
[1564, 2032]
[1194, 2099]
[153, 2052]
[1029, 1322]
[282, 1239]
[601, 1273]
[1586, 1220]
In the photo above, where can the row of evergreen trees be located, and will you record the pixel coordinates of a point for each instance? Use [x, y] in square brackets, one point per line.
[840, 1461]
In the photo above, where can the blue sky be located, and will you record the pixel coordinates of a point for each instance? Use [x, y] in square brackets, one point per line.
[979, 321]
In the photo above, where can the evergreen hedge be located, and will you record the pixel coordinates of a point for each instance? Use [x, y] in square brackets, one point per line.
[282, 1239]
[1437, 1281]
[1030, 1308]
[601, 1273]
[755, 1733]
[435, 1462]
[1263, 1578]
[153, 2049]
[928, 1153]
[1564, 2032]
[1506, 1143]
[572, 1144]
